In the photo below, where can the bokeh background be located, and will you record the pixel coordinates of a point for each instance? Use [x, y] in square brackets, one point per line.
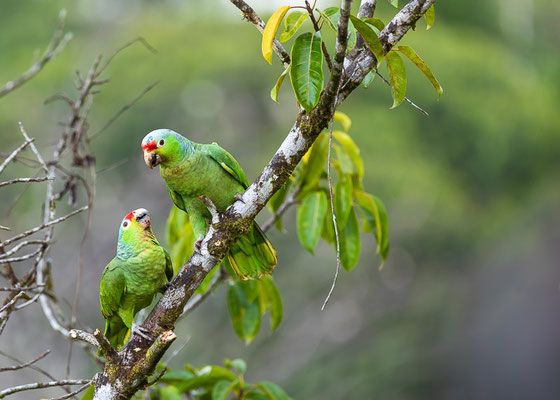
[467, 305]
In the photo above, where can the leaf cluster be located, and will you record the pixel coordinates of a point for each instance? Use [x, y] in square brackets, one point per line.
[214, 382]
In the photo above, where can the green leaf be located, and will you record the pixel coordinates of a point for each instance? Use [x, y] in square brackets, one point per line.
[328, 229]
[276, 88]
[274, 300]
[239, 365]
[430, 16]
[169, 393]
[205, 377]
[394, 3]
[370, 37]
[343, 119]
[310, 215]
[293, 22]
[273, 391]
[375, 215]
[368, 79]
[306, 73]
[377, 22]
[270, 31]
[412, 56]
[397, 77]
[235, 298]
[350, 242]
[352, 151]
[343, 200]
[315, 160]
[277, 200]
[331, 16]
[343, 164]
[221, 390]
[244, 309]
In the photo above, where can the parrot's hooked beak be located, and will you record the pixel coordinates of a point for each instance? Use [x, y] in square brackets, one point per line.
[142, 217]
[151, 159]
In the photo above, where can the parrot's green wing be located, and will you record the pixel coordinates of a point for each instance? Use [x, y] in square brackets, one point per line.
[112, 288]
[227, 162]
[168, 265]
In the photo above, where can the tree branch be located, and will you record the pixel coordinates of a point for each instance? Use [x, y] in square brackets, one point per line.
[27, 364]
[42, 385]
[55, 47]
[122, 380]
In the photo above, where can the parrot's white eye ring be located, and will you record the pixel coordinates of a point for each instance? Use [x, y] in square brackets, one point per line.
[126, 225]
[161, 142]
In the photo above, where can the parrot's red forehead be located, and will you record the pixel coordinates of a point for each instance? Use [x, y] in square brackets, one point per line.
[129, 215]
[149, 145]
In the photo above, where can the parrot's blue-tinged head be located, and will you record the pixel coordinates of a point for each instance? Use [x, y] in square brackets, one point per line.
[134, 230]
[166, 147]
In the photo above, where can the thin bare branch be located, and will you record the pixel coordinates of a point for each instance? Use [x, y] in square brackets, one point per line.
[140, 39]
[42, 385]
[27, 364]
[83, 336]
[11, 303]
[72, 394]
[17, 289]
[290, 201]
[23, 180]
[20, 258]
[33, 148]
[406, 98]
[40, 227]
[55, 47]
[125, 108]
[20, 245]
[33, 367]
[14, 154]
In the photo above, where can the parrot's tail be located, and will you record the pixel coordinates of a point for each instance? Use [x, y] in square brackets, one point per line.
[253, 255]
[116, 331]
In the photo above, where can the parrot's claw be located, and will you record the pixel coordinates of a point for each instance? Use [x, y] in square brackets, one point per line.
[239, 197]
[142, 332]
[197, 245]
[164, 287]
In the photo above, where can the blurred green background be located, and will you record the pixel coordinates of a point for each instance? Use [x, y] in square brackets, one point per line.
[467, 305]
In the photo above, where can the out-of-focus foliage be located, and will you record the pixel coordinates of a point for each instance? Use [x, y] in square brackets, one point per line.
[213, 382]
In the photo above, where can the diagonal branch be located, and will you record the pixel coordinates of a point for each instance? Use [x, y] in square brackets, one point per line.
[122, 380]
[55, 47]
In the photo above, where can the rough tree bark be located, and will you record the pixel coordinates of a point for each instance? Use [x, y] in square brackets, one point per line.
[128, 372]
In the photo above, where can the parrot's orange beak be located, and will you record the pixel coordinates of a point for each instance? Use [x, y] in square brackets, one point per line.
[150, 157]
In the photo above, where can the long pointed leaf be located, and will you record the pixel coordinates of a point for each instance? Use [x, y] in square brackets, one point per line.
[276, 88]
[270, 31]
[293, 22]
[370, 37]
[422, 66]
[375, 215]
[430, 16]
[350, 242]
[306, 73]
[310, 217]
[397, 77]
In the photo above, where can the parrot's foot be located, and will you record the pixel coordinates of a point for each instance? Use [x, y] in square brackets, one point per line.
[142, 332]
[239, 197]
[197, 245]
[164, 287]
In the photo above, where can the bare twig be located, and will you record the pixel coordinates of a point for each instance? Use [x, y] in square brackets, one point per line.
[11, 302]
[23, 180]
[290, 201]
[124, 109]
[17, 289]
[335, 225]
[14, 154]
[40, 227]
[72, 394]
[19, 246]
[77, 334]
[4, 228]
[33, 367]
[55, 47]
[42, 385]
[27, 364]
[20, 258]
[33, 148]
[406, 98]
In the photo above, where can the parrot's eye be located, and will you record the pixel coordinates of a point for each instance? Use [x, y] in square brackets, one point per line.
[125, 225]
[161, 142]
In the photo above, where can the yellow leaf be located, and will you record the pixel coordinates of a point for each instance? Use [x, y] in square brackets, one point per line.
[270, 31]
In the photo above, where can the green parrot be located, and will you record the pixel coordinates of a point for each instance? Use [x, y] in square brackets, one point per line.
[191, 170]
[131, 280]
